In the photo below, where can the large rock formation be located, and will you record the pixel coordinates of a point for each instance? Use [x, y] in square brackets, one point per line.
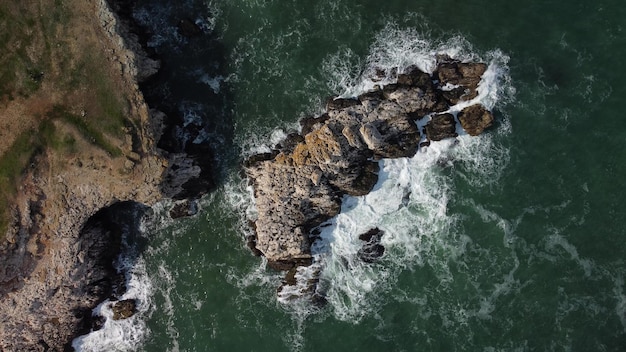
[301, 183]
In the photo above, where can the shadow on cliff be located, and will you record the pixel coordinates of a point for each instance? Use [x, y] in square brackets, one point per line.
[197, 132]
[110, 241]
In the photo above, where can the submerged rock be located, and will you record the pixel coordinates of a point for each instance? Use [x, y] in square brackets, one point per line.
[301, 183]
[188, 28]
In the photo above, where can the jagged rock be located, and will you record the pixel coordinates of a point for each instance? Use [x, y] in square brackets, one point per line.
[184, 208]
[187, 175]
[460, 80]
[251, 243]
[441, 127]
[372, 249]
[300, 184]
[415, 77]
[475, 119]
[124, 309]
[340, 103]
[309, 123]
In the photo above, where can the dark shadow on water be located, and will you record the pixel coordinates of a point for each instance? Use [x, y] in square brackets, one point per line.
[111, 236]
[190, 87]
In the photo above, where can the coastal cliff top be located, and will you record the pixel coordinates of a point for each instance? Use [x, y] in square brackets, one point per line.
[67, 97]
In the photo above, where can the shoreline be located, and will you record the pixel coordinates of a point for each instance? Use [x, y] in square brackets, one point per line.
[58, 261]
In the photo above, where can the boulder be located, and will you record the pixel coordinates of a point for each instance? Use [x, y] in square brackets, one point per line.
[188, 28]
[441, 127]
[124, 309]
[459, 80]
[475, 119]
[372, 250]
[184, 208]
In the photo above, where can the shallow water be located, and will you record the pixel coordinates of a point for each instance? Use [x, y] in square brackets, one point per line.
[509, 241]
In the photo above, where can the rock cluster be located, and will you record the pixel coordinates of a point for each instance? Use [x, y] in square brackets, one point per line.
[300, 184]
[372, 249]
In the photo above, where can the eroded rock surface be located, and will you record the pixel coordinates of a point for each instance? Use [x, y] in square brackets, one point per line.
[300, 184]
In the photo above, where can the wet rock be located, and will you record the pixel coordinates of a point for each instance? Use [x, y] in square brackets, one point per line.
[415, 77]
[184, 208]
[372, 250]
[340, 103]
[124, 309]
[97, 322]
[440, 127]
[459, 80]
[189, 28]
[459, 73]
[251, 244]
[475, 119]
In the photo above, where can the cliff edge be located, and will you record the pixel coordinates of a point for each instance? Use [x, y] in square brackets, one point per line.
[99, 150]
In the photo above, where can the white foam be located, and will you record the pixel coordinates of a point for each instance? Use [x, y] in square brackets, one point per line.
[620, 307]
[410, 200]
[213, 82]
[126, 334]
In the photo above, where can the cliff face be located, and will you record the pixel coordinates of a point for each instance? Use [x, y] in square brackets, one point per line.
[51, 272]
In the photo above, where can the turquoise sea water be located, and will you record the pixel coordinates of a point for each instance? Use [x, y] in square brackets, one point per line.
[511, 241]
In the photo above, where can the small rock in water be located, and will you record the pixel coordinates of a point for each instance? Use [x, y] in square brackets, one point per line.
[188, 28]
[372, 249]
[124, 309]
[184, 208]
[475, 119]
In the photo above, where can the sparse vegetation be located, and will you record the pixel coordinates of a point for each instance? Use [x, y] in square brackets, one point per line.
[89, 132]
[52, 66]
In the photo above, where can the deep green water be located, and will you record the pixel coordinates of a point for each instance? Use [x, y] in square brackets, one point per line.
[512, 241]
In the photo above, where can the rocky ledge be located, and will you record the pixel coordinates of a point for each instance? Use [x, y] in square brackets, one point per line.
[301, 183]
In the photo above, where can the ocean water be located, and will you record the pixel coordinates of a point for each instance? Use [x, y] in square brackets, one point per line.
[510, 241]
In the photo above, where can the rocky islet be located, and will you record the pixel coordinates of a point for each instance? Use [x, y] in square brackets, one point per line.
[300, 184]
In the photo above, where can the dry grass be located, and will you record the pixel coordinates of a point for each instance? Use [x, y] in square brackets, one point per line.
[53, 69]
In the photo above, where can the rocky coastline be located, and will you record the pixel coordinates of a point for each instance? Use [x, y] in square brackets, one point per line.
[301, 183]
[58, 255]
